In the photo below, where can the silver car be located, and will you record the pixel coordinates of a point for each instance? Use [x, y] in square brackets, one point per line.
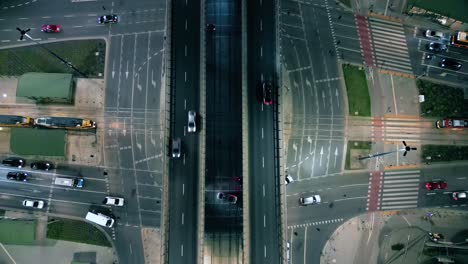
[314, 199]
[432, 34]
[176, 148]
[192, 124]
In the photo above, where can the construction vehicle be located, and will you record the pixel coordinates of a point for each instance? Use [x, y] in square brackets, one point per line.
[64, 123]
[15, 121]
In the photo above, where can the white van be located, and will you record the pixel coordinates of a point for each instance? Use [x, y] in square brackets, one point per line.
[100, 219]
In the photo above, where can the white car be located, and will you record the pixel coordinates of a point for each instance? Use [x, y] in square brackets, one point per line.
[115, 201]
[432, 34]
[314, 199]
[192, 124]
[288, 179]
[33, 203]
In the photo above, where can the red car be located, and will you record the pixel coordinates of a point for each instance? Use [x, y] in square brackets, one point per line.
[50, 28]
[266, 93]
[436, 185]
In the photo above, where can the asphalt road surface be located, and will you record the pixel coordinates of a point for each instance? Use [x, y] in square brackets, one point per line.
[264, 184]
[183, 176]
[223, 219]
[132, 146]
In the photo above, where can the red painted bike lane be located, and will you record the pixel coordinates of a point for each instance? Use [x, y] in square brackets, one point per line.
[365, 40]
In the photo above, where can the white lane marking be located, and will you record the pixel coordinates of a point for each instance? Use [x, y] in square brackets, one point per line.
[261, 51]
[130, 247]
[183, 217]
[183, 189]
[4, 249]
[182, 250]
[263, 162]
[264, 220]
[263, 189]
[262, 132]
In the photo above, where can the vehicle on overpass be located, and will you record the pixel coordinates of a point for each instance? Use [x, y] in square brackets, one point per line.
[452, 123]
[69, 182]
[15, 121]
[459, 39]
[64, 123]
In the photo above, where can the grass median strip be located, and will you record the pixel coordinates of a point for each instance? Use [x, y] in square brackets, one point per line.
[17, 232]
[356, 88]
[81, 53]
[76, 231]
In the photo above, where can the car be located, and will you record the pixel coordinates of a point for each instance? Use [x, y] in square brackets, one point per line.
[450, 64]
[50, 28]
[116, 201]
[33, 204]
[176, 148]
[14, 162]
[288, 179]
[210, 27]
[452, 123]
[432, 34]
[458, 195]
[266, 93]
[192, 124]
[314, 199]
[41, 165]
[437, 47]
[436, 185]
[231, 198]
[108, 19]
[17, 176]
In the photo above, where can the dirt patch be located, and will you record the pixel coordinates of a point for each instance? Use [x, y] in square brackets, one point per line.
[151, 245]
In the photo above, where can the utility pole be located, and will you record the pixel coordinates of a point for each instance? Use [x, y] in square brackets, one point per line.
[24, 33]
[406, 149]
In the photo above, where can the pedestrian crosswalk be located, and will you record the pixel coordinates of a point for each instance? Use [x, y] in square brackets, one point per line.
[390, 51]
[400, 189]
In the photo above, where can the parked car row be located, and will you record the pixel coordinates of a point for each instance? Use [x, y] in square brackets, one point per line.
[20, 162]
[440, 45]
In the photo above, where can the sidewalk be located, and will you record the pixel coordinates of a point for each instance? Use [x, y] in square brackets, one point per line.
[369, 238]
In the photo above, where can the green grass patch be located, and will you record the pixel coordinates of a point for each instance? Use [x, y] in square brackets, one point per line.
[441, 100]
[17, 232]
[39, 142]
[444, 153]
[77, 231]
[456, 9]
[81, 53]
[358, 93]
[355, 145]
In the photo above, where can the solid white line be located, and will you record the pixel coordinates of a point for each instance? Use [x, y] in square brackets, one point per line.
[400, 181]
[394, 96]
[397, 207]
[1, 244]
[402, 176]
[183, 218]
[400, 189]
[398, 194]
[400, 198]
[402, 172]
[404, 202]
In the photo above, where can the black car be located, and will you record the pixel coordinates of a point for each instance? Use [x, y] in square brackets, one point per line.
[437, 47]
[17, 176]
[266, 93]
[108, 19]
[14, 162]
[450, 64]
[41, 165]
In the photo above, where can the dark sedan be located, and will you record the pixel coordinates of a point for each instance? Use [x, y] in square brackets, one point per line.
[17, 176]
[450, 64]
[41, 165]
[108, 19]
[14, 162]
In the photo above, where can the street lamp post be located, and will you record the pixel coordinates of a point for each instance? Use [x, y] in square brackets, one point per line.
[406, 149]
[24, 33]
